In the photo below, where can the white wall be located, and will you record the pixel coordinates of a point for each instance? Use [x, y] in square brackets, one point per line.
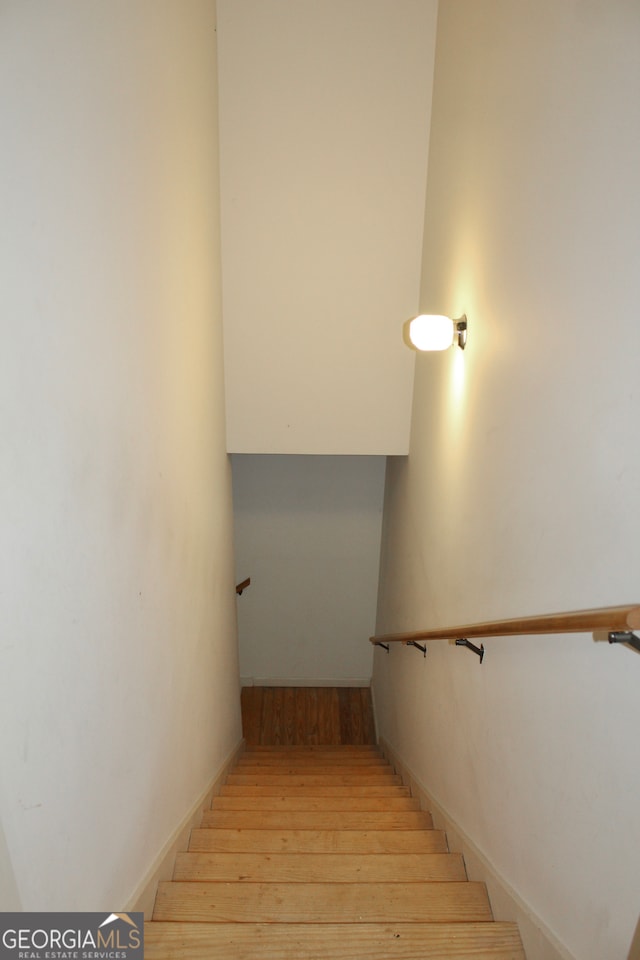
[520, 493]
[324, 120]
[119, 679]
[307, 532]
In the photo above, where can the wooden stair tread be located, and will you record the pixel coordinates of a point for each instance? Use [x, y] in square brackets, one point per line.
[377, 769]
[317, 804]
[325, 867]
[318, 753]
[341, 749]
[329, 760]
[322, 902]
[251, 790]
[314, 780]
[332, 820]
[318, 841]
[321, 853]
[383, 941]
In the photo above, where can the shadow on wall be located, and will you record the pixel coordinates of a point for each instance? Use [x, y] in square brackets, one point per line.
[634, 952]
[9, 896]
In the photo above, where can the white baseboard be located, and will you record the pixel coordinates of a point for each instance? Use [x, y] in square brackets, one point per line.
[538, 941]
[305, 681]
[144, 896]
[375, 713]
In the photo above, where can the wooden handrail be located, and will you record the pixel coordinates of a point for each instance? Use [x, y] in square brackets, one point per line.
[243, 586]
[612, 619]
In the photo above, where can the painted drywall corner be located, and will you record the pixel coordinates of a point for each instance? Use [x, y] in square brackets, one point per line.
[144, 896]
[538, 941]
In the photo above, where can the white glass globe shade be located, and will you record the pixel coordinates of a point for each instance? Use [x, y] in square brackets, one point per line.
[431, 332]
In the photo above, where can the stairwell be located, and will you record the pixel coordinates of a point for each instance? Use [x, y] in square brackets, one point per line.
[318, 852]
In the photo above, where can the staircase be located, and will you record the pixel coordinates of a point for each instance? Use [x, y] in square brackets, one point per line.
[315, 853]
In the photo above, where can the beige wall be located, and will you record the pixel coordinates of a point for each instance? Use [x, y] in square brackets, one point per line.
[119, 679]
[307, 532]
[520, 493]
[324, 122]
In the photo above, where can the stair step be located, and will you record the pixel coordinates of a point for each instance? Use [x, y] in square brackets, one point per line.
[321, 853]
[317, 804]
[314, 780]
[322, 749]
[371, 941]
[325, 867]
[322, 754]
[250, 790]
[322, 902]
[298, 759]
[299, 820]
[378, 769]
[318, 841]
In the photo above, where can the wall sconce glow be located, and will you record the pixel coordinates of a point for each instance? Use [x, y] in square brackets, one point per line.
[435, 332]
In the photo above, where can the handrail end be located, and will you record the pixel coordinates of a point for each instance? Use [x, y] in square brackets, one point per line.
[633, 618]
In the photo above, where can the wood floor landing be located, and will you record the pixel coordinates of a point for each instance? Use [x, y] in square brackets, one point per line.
[307, 716]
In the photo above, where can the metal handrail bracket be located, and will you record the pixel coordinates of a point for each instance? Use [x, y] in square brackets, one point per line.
[418, 646]
[625, 636]
[479, 651]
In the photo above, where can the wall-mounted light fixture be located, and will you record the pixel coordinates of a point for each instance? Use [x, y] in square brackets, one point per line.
[434, 332]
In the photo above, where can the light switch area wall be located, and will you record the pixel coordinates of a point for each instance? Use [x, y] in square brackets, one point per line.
[324, 132]
[307, 532]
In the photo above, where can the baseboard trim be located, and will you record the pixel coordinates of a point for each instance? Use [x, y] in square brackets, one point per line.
[144, 896]
[538, 940]
[305, 681]
[375, 714]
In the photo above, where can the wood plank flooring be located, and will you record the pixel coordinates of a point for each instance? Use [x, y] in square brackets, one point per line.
[306, 716]
[285, 866]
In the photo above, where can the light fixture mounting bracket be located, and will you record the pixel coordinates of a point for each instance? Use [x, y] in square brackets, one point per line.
[461, 331]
